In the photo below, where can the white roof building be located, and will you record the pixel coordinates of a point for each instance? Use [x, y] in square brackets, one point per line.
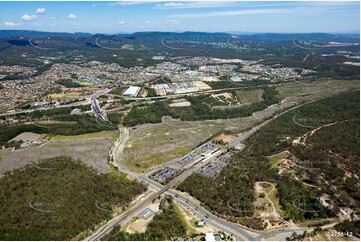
[132, 91]
[210, 237]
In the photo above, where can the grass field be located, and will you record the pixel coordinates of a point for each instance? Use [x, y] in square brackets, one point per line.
[55, 122]
[249, 96]
[212, 101]
[69, 95]
[272, 196]
[118, 90]
[90, 88]
[315, 222]
[277, 158]
[113, 135]
[151, 145]
[84, 83]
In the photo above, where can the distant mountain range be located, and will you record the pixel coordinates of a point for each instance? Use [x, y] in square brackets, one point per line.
[189, 35]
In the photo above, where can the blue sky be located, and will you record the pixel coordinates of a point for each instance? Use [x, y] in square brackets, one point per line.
[226, 16]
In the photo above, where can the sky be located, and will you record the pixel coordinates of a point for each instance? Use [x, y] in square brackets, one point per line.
[178, 16]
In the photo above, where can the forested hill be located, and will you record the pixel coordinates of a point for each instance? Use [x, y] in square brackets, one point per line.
[201, 36]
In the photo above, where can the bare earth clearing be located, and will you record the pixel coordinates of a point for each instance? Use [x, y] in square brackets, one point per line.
[93, 152]
[153, 144]
[303, 92]
[27, 136]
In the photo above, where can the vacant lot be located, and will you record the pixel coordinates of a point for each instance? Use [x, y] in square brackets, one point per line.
[236, 99]
[240, 124]
[93, 152]
[246, 97]
[303, 92]
[98, 135]
[27, 136]
[151, 145]
[69, 95]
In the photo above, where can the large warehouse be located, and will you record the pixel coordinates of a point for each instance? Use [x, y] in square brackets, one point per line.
[132, 91]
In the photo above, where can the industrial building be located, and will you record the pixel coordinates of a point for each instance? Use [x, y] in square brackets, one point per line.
[180, 87]
[132, 91]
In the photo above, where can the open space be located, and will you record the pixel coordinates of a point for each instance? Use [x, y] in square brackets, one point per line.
[97, 135]
[152, 145]
[93, 152]
[303, 92]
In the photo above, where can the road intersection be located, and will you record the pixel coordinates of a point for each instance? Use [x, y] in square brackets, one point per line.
[239, 232]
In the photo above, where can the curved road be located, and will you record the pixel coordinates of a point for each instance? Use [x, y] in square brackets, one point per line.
[239, 232]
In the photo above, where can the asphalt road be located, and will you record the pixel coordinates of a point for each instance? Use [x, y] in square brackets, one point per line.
[239, 232]
[95, 104]
[134, 211]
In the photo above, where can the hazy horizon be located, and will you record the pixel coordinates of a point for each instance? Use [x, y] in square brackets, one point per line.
[356, 32]
[178, 16]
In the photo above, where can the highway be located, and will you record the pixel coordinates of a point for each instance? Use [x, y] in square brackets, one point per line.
[134, 211]
[85, 102]
[95, 104]
[101, 113]
[239, 232]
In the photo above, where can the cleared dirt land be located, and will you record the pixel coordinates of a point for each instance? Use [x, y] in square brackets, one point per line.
[93, 152]
[229, 100]
[306, 91]
[151, 145]
[27, 136]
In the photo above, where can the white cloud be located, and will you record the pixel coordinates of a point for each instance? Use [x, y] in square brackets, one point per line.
[11, 24]
[71, 16]
[51, 17]
[235, 13]
[147, 22]
[40, 10]
[29, 17]
[173, 21]
[178, 5]
[121, 22]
